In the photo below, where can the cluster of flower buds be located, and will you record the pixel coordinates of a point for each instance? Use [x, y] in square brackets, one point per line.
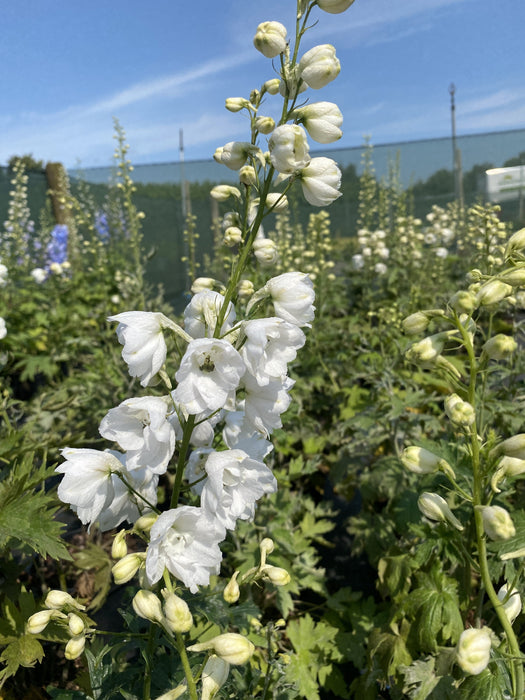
[61, 607]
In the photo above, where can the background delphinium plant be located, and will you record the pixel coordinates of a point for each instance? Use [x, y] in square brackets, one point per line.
[206, 439]
[454, 581]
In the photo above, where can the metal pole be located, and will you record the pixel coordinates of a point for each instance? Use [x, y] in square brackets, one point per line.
[456, 156]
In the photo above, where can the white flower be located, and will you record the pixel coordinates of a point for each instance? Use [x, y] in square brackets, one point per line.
[235, 482]
[271, 343]
[201, 284]
[320, 181]
[39, 275]
[319, 66]
[512, 604]
[185, 542]
[140, 427]
[293, 295]
[3, 275]
[380, 268]
[94, 490]
[334, 6]
[265, 404]
[238, 433]
[195, 471]
[289, 148]
[358, 262]
[223, 192]
[441, 253]
[144, 351]
[3, 329]
[208, 375]
[270, 39]
[321, 120]
[200, 315]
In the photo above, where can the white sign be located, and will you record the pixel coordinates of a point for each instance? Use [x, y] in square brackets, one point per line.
[504, 184]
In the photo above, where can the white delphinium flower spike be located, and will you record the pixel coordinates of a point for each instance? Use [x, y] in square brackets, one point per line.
[200, 315]
[235, 482]
[271, 343]
[144, 351]
[183, 541]
[208, 376]
[140, 427]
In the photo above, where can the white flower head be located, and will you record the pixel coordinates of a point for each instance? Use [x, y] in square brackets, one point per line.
[200, 315]
[264, 405]
[321, 180]
[240, 434]
[293, 297]
[289, 148]
[144, 351]
[4, 273]
[208, 376]
[265, 251]
[235, 482]
[195, 471]
[39, 275]
[183, 541]
[94, 490]
[270, 39]
[3, 328]
[271, 343]
[140, 427]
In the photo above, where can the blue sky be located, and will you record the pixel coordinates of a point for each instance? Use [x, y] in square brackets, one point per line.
[69, 67]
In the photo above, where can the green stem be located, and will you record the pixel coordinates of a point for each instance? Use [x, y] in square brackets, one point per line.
[146, 691]
[181, 462]
[192, 688]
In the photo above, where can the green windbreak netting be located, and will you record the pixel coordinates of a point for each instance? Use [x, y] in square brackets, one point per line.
[425, 167]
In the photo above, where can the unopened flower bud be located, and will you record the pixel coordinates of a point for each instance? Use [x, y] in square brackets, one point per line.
[75, 624]
[515, 243]
[266, 547]
[200, 284]
[124, 570]
[232, 236]
[426, 350]
[334, 7]
[145, 522]
[214, 676]
[499, 346]
[264, 125]
[272, 86]
[232, 647]
[492, 292]
[232, 591]
[277, 201]
[247, 175]
[473, 651]
[421, 461]
[174, 694]
[176, 612]
[319, 66]
[265, 251]
[40, 620]
[270, 39]
[276, 575]
[460, 412]
[235, 104]
[75, 647]
[416, 323]
[515, 276]
[119, 547]
[245, 289]
[435, 508]
[497, 522]
[147, 605]
[512, 447]
[58, 599]
[511, 602]
[463, 302]
[507, 466]
[222, 192]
